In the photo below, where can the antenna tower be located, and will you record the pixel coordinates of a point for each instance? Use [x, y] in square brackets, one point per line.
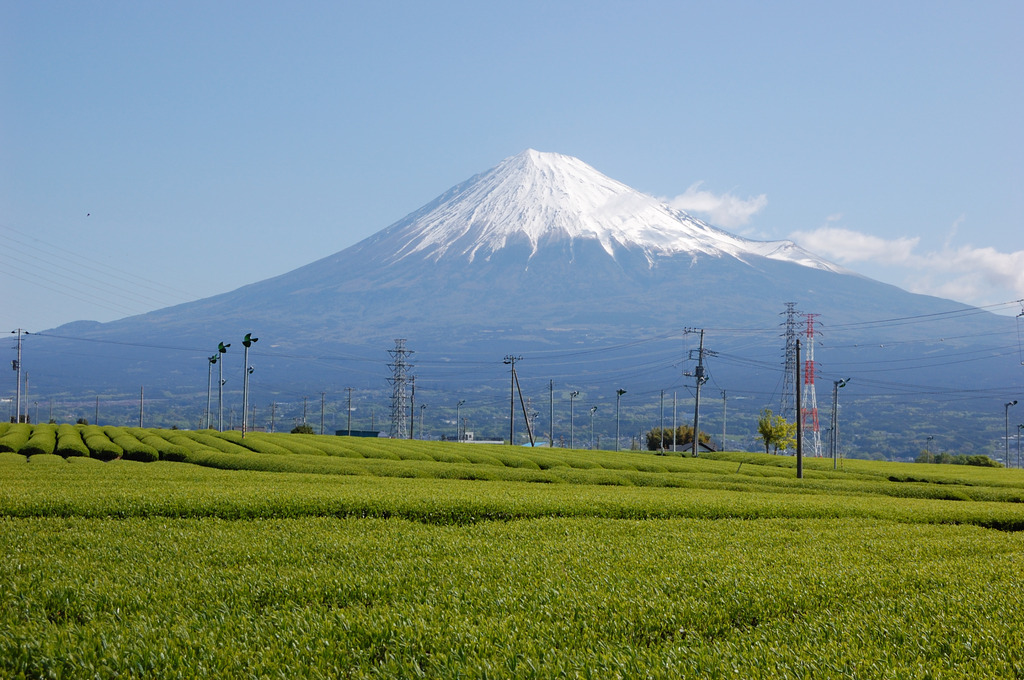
[400, 377]
[809, 410]
[786, 407]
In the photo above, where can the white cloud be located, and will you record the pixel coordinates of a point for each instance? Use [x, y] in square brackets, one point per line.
[722, 210]
[974, 275]
[847, 246]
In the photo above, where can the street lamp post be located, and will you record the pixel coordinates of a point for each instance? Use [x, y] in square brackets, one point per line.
[1006, 415]
[247, 342]
[928, 446]
[209, 389]
[593, 410]
[834, 438]
[458, 413]
[618, 396]
[221, 349]
[572, 440]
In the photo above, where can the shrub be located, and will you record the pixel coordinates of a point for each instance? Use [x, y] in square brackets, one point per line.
[254, 442]
[132, 448]
[167, 449]
[43, 441]
[100, 446]
[17, 436]
[69, 442]
[216, 442]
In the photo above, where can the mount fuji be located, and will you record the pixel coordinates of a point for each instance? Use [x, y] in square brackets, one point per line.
[541, 253]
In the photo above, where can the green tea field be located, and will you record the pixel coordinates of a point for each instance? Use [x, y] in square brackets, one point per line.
[137, 553]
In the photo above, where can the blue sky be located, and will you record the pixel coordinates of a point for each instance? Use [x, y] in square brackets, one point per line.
[155, 153]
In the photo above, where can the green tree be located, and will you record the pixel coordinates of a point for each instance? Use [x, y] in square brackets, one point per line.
[765, 429]
[785, 434]
[303, 429]
[775, 432]
[659, 438]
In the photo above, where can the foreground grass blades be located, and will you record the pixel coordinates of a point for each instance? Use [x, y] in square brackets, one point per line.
[414, 559]
[548, 597]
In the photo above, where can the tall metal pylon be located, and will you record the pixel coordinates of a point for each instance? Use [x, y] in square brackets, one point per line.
[809, 408]
[786, 405]
[400, 377]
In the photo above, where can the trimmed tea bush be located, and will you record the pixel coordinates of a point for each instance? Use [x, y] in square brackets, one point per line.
[17, 436]
[43, 441]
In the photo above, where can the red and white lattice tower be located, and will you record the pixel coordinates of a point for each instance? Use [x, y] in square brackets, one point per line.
[809, 411]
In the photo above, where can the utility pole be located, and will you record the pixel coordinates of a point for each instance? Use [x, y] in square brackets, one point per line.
[511, 360]
[675, 428]
[701, 377]
[799, 420]
[1006, 437]
[304, 400]
[16, 365]
[661, 427]
[412, 410]
[551, 427]
[273, 414]
[142, 401]
[349, 390]
[423, 407]
[572, 432]
[458, 415]
[323, 396]
[725, 406]
[1019, 428]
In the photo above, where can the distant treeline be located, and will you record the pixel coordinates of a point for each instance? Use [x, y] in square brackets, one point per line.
[956, 459]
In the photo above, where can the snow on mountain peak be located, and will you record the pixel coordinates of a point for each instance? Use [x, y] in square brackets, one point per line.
[538, 197]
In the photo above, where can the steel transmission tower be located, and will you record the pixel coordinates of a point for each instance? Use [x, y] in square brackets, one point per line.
[401, 377]
[786, 407]
[809, 410]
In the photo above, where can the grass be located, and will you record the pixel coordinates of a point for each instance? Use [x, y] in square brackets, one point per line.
[378, 559]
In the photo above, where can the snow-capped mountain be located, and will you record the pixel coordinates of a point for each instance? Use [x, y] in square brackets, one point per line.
[542, 252]
[538, 198]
